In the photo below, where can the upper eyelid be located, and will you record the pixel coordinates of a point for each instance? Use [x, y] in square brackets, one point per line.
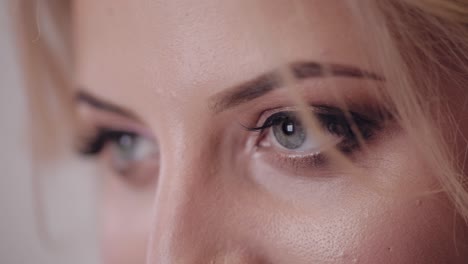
[316, 109]
[265, 125]
[264, 115]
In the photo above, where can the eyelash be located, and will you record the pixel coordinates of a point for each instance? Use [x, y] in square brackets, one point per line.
[335, 121]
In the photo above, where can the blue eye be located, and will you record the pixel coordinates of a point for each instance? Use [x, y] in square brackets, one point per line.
[289, 132]
[126, 149]
[125, 145]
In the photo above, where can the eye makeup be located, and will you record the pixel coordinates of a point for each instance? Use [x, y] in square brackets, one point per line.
[287, 143]
[334, 121]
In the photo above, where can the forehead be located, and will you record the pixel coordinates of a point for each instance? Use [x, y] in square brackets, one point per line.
[178, 48]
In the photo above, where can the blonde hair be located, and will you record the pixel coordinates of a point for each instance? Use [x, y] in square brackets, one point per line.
[423, 50]
[426, 46]
[44, 40]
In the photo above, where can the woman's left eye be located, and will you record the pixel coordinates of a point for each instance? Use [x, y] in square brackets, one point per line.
[127, 149]
[127, 153]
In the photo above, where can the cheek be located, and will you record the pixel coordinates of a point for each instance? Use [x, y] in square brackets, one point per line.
[125, 221]
[370, 230]
[409, 220]
[389, 215]
[411, 231]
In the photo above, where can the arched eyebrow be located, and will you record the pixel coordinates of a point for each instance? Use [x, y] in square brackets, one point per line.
[267, 82]
[84, 97]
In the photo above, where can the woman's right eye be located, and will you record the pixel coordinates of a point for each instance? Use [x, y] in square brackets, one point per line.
[285, 130]
[127, 153]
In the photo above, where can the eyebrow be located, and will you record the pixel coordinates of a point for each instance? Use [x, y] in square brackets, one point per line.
[270, 81]
[84, 97]
[249, 90]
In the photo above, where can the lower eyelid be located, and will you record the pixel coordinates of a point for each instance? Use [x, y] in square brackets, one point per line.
[283, 159]
[315, 160]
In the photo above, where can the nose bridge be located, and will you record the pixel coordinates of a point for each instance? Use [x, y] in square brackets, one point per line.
[185, 220]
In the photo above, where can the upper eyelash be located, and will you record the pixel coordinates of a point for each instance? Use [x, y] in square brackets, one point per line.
[320, 110]
[269, 122]
[96, 143]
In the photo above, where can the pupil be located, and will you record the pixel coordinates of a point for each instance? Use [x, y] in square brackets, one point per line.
[288, 128]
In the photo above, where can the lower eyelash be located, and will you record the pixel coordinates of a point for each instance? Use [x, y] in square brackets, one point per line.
[315, 160]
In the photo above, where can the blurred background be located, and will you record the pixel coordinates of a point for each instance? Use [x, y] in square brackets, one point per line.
[47, 218]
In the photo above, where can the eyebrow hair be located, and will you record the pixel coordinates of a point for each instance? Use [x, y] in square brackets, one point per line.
[270, 81]
[85, 97]
[248, 90]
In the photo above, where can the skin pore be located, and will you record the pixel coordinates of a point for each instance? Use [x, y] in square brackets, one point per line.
[192, 84]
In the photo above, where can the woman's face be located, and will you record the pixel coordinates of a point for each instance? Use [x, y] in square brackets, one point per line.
[205, 159]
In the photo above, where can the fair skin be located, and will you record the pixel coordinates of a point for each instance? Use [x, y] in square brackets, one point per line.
[210, 195]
